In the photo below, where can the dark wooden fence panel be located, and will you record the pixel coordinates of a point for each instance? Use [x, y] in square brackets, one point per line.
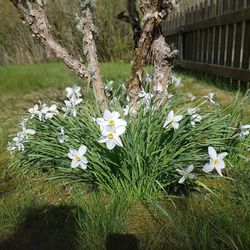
[213, 37]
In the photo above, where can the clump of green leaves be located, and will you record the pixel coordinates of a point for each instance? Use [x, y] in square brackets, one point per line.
[147, 163]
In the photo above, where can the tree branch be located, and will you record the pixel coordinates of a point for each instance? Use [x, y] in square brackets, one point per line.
[35, 16]
[86, 26]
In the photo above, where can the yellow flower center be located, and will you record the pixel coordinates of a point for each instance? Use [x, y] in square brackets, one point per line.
[111, 122]
[110, 136]
[216, 162]
[78, 158]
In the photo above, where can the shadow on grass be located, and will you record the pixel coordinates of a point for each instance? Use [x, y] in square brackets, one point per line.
[122, 242]
[51, 227]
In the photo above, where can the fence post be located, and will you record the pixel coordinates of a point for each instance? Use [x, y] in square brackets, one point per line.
[180, 41]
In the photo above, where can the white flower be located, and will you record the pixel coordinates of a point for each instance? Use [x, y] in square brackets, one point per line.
[111, 136]
[70, 108]
[210, 97]
[216, 161]
[145, 97]
[110, 119]
[26, 132]
[194, 116]
[172, 120]
[244, 130]
[62, 137]
[191, 96]
[177, 81]
[19, 141]
[186, 173]
[45, 112]
[49, 112]
[74, 92]
[192, 111]
[78, 158]
[34, 111]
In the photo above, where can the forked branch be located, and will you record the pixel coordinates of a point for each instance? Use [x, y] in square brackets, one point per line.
[35, 16]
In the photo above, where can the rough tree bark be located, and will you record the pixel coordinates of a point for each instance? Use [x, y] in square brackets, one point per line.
[35, 16]
[154, 11]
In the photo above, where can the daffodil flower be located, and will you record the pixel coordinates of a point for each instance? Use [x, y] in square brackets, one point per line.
[177, 81]
[172, 120]
[191, 96]
[194, 116]
[186, 174]
[110, 119]
[146, 98]
[244, 130]
[74, 92]
[216, 161]
[62, 137]
[70, 108]
[111, 136]
[210, 97]
[49, 112]
[34, 111]
[78, 158]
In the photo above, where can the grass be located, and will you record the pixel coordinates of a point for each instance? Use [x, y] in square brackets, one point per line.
[37, 212]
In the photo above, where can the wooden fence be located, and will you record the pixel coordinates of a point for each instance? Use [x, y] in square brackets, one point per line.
[213, 37]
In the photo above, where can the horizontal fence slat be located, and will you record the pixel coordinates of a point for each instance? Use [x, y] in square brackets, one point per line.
[228, 72]
[233, 17]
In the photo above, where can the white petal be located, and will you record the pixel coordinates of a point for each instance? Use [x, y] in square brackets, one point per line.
[115, 115]
[120, 122]
[182, 179]
[120, 130]
[71, 156]
[103, 139]
[190, 168]
[166, 124]
[177, 118]
[107, 115]
[118, 141]
[30, 131]
[73, 152]
[82, 166]
[75, 163]
[82, 150]
[170, 116]
[84, 160]
[180, 171]
[221, 164]
[208, 167]
[218, 169]
[245, 126]
[212, 153]
[221, 156]
[110, 144]
[175, 125]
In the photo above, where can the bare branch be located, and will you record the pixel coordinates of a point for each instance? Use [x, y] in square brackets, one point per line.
[86, 26]
[154, 11]
[163, 56]
[151, 20]
[36, 18]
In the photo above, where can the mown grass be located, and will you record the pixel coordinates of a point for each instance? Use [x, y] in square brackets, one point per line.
[38, 213]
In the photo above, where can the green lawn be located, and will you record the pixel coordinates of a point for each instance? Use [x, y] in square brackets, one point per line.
[36, 213]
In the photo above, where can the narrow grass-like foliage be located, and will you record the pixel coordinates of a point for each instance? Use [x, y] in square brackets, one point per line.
[151, 154]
